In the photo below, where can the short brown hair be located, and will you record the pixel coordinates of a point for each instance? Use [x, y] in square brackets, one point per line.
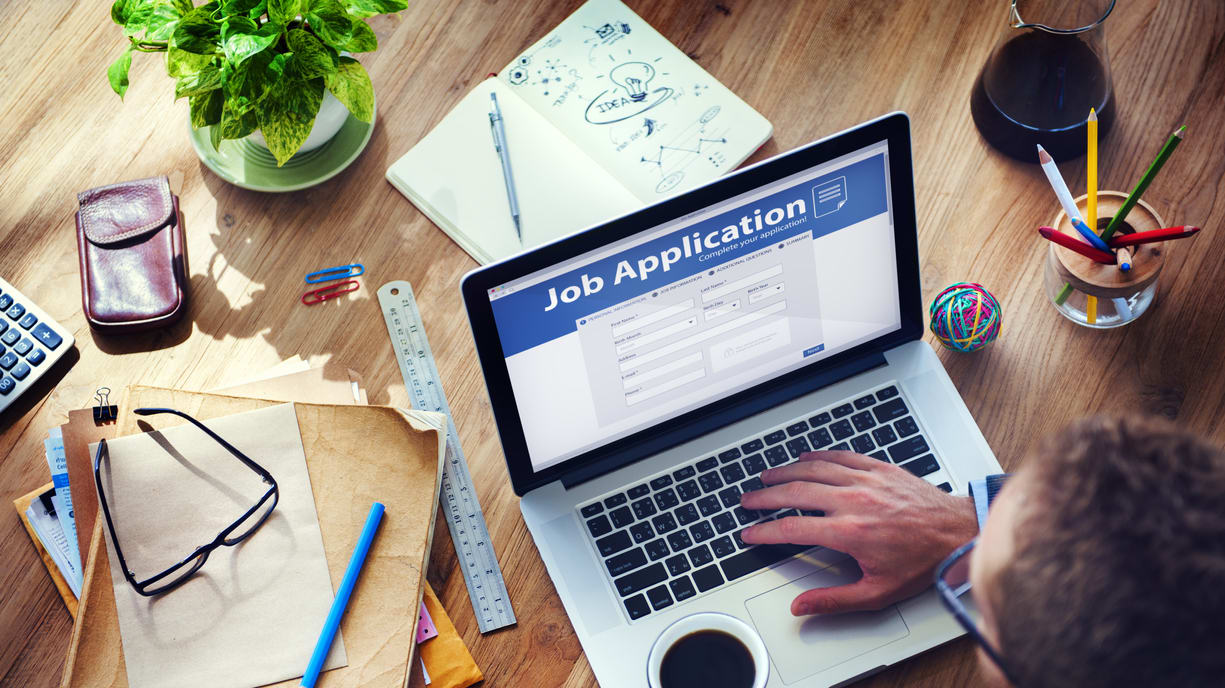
[1119, 570]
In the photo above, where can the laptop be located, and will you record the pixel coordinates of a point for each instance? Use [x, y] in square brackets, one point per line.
[644, 372]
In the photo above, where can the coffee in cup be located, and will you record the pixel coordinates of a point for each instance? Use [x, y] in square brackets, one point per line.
[708, 650]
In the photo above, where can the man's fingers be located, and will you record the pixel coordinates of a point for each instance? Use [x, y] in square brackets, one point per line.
[816, 471]
[798, 494]
[796, 530]
[841, 457]
[859, 596]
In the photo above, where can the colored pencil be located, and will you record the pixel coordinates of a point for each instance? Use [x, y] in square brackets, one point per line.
[1080, 247]
[1089, 235]
[1091, 172]
[1132, 198]
[1091, 309]
[1123, 258]
[1057, 184]
[1153, 235]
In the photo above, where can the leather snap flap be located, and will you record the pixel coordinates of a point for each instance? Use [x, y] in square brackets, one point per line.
[128, 210]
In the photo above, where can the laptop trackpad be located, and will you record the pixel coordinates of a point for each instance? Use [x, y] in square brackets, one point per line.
[802, 646]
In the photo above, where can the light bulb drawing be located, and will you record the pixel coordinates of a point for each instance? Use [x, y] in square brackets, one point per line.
[633, 78]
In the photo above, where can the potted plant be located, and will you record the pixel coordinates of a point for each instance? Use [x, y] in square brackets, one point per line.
[256, 65]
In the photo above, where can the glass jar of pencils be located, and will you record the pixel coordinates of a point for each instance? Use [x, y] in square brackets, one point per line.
[1102, 295]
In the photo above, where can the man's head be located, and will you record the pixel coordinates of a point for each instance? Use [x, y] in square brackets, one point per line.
[1103, 560]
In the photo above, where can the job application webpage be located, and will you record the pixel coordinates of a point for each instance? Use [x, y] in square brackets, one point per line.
[642, 331]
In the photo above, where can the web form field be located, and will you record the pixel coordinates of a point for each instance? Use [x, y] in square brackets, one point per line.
[693, 340]
[739, 284]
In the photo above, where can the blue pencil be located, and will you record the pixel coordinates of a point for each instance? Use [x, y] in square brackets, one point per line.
[342, 596]
[1089, 235]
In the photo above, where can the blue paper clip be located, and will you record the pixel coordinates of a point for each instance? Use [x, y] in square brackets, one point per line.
[338, 272]
[331, 291]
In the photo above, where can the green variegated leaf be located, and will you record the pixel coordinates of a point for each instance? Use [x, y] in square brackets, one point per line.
[181, 63]
[284, 11]
[206, 109]
[197, 32]
[368, 8]
[310, 58]
[237, 124]
[215, 136]
[120, 11]
[330, 22]
[230, 8]
[241, 38]
[117, 73]
[351, 86]
[287, 113]
[139, 12]
[162, 22]
[203, 81]
[363, 40]
[245, 84]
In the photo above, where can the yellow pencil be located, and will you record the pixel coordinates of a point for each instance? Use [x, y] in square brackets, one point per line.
[1091, 309]
[1091, 172]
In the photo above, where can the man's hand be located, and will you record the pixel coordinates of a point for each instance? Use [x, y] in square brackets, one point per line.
[896, 526]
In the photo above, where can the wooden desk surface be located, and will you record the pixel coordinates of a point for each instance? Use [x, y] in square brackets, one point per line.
[810, 67]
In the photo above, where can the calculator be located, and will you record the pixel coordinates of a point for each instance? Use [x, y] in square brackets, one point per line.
[30, 343]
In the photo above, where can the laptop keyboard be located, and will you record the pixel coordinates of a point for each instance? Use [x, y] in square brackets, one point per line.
[677, 535]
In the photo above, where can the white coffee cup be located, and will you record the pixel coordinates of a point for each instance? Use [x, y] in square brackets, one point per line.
[710, 621]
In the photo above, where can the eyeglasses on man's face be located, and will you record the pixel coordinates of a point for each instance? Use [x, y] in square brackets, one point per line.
[236, 532]
[953, 584]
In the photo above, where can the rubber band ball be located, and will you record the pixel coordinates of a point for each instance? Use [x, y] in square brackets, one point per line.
[965, 317]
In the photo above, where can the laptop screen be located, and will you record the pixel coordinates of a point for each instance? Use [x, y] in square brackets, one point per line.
[623, 338]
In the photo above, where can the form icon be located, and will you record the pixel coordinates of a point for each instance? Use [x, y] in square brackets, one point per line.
[828, 196]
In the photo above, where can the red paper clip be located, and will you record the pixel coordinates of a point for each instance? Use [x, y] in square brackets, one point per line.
[331, 291]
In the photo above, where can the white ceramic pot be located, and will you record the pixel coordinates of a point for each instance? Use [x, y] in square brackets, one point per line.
[331, 117]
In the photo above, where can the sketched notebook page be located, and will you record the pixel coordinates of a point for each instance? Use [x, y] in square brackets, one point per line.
[634, 103]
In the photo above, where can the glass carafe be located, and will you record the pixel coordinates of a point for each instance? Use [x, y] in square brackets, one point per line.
[1047, 69]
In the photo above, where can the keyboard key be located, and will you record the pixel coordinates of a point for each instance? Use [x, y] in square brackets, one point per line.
[776, 456]
[688, 490]
[599, 526]
[709, 505]
[36, 356]
[724, 522]
[700, 556]
[757, 558]
[863, 421]
[841, 446]
[820, 438]
[709, 482]
[776, 437]
[7, 384]
[686, 514]
[740, 541]
[841, 430]
[708, 578]
[797, 446]
[5, 302]
[643, 508]
[661, 482]
[680, 541]
[946, 487]
[641, 532]
[614, 543]
[723, 546]
[682, 589]
[47, 336]
[677, 565]
[702, 531]
[819, 419]
[730, 497]
[638, 491]
[666, 499]
[754, 464]
[890, 410]
[729, 455]
[752, 446]
[908, 448]
[592, 509]
[28, 321]
[797, 428]
[815, 512]
[862, 444]
[751, 484]
[865, 402]
[621, 517]
[744, 516]
[881, 455]
[637, 607]
[664, 523]
[615, 500]
[924, 465]
[843, 410]
[641, 579]
[906, 427]
[15, 311]
[11, 337]
[625, 562]
[884, 436]
[707, 464]
[683, 473]
[887, 393]
[732, 473]
[657, 549]
[7, 361]
[659, 597]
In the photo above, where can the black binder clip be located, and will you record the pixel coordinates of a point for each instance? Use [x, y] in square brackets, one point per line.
[105, 411]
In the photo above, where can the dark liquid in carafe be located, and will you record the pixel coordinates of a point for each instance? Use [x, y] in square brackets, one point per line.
[1044, 87]
[707, 659]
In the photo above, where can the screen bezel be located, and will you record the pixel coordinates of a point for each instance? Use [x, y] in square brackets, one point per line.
[893, 128]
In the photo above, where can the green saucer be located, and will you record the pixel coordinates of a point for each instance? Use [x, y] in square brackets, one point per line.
[251, 166]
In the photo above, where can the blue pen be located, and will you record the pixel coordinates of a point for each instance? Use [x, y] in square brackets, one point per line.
[1089, 235]
[342, 596]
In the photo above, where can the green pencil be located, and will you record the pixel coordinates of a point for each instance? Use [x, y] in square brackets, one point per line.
[1170, 144]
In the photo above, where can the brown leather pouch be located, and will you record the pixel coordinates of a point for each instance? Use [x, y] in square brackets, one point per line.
[133, 266]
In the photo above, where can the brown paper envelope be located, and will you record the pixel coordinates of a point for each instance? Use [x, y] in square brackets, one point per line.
[79, 432]
[21, 504]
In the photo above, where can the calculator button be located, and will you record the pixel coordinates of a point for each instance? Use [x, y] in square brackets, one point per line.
[36, 356]
[7, 361]
[47, 336]
[21, 370]
[4, 325]
[5, 302]
[7, 384]
[11, 337]
[28, 321]
[15, 311]
[23, 347]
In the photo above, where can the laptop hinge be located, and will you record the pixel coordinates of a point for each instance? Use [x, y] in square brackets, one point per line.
[720, 416]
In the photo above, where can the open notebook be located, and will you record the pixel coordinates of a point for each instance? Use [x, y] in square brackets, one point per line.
[602, 116]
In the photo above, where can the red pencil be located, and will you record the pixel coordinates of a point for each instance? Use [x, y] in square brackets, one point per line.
[1152, 235]
[1077, 245]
